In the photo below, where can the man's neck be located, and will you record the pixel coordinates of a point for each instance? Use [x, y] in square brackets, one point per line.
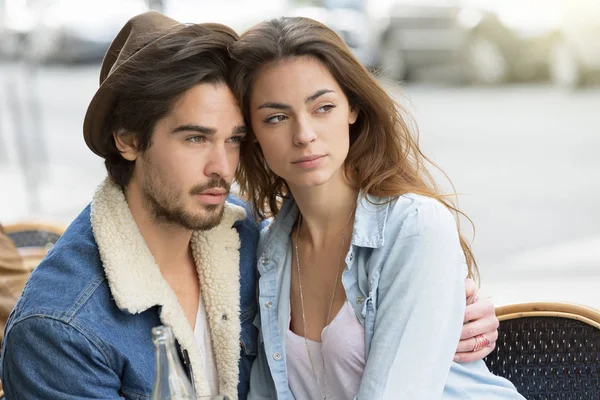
[168, 243]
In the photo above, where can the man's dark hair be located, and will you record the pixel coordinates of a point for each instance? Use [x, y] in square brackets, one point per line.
[148, 85]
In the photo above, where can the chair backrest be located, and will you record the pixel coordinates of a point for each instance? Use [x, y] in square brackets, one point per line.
[34, 239]
[549, 351]
[34, 234]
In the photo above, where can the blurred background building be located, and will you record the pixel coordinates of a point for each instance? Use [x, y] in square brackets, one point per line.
[505, 94]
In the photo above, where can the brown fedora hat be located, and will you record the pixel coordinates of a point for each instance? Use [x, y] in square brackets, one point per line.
[133, 39]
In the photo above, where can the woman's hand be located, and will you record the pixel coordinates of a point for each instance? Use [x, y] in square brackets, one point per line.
[480, 319]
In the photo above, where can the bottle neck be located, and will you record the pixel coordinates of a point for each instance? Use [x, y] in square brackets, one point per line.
[171, 381]
[167, 358]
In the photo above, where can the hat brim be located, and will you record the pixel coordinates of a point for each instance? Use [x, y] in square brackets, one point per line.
[98, 112]
[96, 118]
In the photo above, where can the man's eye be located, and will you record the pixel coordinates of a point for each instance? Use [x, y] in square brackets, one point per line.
[275, 119]
[237, 139]
[196, 139]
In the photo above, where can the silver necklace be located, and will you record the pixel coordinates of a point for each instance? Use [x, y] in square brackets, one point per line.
[322, 387]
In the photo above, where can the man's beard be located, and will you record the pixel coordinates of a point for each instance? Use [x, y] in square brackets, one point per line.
[167, 205]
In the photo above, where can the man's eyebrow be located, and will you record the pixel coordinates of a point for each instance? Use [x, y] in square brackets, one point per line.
[240, 130]
[195, 128]
[317, 94]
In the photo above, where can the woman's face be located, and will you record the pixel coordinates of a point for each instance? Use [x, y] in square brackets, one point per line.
[301, 119]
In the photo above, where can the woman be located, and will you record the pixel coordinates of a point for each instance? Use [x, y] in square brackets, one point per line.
[363, 269]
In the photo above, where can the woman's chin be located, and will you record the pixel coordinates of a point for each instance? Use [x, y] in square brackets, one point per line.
[312, 181]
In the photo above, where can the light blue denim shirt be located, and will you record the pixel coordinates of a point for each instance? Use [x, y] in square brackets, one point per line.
[405, 274]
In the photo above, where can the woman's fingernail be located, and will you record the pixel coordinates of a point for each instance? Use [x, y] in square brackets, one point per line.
[456, 358]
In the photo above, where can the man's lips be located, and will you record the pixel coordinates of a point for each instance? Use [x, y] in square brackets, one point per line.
[214, 192]
[213, 196]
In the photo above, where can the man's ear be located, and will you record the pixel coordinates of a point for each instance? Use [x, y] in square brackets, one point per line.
[126, 143]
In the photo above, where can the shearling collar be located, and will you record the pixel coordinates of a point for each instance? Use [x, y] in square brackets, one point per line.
[137, 284]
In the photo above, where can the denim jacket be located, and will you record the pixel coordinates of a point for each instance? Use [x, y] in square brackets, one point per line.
[82, 326]
[404, 277]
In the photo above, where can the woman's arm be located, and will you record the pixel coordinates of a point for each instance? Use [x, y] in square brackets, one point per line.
[420, 308]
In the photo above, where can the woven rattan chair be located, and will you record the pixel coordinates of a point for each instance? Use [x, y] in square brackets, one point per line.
[33, 240]
[549, 351]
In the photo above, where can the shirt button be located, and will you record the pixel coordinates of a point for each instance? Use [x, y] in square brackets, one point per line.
[265, 261]
[276, 356]
[269, 304]
[351, 256]
[360, 299]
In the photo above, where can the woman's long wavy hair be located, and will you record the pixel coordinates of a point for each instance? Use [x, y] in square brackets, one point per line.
[384, 158]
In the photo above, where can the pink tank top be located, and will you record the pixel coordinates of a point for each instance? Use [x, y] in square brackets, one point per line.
[343, 348]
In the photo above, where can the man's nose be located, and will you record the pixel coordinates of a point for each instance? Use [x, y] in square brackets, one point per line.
[218, 163]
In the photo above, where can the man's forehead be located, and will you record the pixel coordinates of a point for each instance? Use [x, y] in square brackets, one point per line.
[207, 104]
[207, 95]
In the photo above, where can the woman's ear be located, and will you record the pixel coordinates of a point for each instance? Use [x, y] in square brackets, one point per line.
[353, 114]
[126, 144]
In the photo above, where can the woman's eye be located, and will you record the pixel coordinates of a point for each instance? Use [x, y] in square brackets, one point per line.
[275, 119]
[325, 109]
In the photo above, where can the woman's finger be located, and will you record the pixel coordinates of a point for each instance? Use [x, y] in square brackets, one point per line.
[480, 309]
[470, 356]
[481, 326]
[467, 345]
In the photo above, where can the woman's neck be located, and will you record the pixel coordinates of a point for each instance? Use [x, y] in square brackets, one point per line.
[325, 209]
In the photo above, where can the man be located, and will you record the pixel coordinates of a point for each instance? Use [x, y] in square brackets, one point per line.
[159, 243]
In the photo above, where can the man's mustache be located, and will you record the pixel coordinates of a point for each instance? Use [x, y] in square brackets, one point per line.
[215, 183]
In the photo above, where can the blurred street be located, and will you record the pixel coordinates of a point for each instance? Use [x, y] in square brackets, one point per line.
[523, 158]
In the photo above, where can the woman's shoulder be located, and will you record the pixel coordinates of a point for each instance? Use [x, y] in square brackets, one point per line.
[415, 214]
[265, 227]
[276, 230]
[419, 231]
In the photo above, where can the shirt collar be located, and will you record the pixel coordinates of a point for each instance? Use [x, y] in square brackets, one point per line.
[370, 221]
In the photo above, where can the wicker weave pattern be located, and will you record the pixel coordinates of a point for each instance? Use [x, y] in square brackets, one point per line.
[549, 358]
[33, 238]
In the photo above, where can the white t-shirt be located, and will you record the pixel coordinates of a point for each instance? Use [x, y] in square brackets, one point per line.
[342, 348]
[202, 335]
